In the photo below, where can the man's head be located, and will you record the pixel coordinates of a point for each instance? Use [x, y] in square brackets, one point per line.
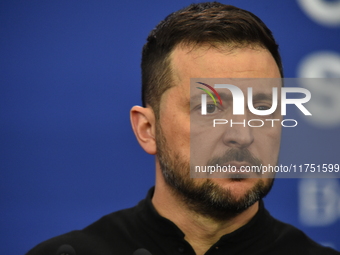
[211, 24]
[207, 40]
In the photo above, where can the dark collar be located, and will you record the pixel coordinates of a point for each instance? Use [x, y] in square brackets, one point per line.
[150, 218]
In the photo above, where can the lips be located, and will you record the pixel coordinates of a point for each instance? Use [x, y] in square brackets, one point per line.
[237, 166]
[238, 170]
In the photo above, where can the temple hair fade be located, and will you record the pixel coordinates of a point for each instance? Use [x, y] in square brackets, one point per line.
[214, 24]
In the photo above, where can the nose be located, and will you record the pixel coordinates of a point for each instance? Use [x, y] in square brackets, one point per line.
[238, 134]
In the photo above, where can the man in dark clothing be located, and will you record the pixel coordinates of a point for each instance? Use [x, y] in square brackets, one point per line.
[127, 231]
[183, 215]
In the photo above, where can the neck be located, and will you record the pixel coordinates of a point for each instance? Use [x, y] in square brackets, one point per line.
[200, 231]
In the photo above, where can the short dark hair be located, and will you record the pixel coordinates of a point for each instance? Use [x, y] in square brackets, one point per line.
[204, 23]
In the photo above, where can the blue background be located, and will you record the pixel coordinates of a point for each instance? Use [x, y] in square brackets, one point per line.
[70, 72]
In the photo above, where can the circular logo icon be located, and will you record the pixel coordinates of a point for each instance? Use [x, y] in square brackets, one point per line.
[322, 11]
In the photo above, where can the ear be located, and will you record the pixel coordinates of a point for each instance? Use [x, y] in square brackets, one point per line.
[143, 125]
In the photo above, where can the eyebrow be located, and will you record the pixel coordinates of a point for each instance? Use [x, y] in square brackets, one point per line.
[228, 97]
[224, 96]
[262, 96]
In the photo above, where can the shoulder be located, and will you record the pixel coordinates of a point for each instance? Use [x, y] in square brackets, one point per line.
[111, 231]
[288, 238]
[79, 240]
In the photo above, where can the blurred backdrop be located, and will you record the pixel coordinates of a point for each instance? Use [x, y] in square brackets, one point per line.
[70, 72]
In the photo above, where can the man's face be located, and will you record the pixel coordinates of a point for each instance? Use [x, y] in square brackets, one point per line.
[239, 145]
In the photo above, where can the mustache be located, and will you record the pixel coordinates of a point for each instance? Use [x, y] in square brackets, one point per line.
[239, 155]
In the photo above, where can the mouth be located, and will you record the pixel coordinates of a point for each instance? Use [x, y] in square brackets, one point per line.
[239, 170]
[236, 167]
[237, 164]
[238, 177]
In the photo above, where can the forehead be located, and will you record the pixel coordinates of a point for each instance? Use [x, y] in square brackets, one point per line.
[211, 62]
[225, 62]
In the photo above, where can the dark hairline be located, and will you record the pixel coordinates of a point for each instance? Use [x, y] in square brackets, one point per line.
[221, 46]
[196, 25]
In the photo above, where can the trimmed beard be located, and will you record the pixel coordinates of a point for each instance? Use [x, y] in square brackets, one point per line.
[208, 198]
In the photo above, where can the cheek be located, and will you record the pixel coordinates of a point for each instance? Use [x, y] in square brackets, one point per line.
[268, 142]
[177, 131]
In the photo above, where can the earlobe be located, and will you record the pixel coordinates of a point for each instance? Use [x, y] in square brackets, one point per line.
[143, 125]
